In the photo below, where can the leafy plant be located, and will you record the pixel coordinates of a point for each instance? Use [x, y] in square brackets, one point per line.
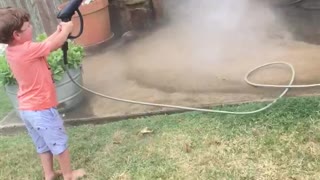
[55, 61]
[6, 76]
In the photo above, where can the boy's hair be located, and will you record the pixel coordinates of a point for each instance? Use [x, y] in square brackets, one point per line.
[11, 19]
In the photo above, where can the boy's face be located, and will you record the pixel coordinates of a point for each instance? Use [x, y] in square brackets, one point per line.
[24, 34]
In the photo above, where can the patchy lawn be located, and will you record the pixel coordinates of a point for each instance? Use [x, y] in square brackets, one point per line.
[281, 143]
[5, 105]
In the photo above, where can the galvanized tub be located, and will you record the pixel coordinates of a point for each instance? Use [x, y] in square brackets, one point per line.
[69, 94]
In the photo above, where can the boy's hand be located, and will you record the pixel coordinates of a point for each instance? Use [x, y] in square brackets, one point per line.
[64, 30]
[66, 26]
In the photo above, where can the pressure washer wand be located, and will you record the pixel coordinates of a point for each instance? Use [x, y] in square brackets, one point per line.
[66, 15]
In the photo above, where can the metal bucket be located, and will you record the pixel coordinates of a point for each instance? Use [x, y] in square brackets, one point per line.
[69, 94]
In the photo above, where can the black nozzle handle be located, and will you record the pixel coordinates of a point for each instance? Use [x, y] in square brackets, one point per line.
[68, 11]
[65, 15]
[81, 26]
[65, 52]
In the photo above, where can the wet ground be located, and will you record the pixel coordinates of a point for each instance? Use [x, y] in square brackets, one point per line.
[159, 70]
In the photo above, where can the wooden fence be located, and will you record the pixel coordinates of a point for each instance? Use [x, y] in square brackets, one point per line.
[43, 13]
[123, 15]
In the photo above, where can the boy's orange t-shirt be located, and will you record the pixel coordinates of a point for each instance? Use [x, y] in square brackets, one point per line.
[28, 62]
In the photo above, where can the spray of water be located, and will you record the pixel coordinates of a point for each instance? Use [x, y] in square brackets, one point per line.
[202, 42]
[206, 47]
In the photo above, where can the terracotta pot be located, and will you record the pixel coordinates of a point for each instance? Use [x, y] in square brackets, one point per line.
[96, 19]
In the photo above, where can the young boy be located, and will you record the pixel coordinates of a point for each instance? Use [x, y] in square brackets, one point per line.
[37, 96]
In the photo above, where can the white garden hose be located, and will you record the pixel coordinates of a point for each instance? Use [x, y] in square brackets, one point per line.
[277, 86]
[210, 110]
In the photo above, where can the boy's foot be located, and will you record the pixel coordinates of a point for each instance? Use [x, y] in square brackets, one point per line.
[54, 176]
[79, 173]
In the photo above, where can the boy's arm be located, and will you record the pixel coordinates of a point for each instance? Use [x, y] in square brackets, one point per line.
[52, 36]
[57, 39]
[52, 43]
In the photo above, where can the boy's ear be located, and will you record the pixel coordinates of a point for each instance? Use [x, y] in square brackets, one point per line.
[15, 35]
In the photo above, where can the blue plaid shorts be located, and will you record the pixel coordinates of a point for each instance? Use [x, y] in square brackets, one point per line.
[46, 130]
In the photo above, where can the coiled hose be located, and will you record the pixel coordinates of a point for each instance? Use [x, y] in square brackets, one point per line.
[290, 85]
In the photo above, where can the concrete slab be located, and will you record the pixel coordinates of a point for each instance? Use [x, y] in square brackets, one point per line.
[159, 70]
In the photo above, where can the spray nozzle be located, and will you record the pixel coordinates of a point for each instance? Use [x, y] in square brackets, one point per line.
[65, 15]
[68, 11]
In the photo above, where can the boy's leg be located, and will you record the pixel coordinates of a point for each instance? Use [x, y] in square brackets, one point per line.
[48, 133]
[28, 117]
[47, 164]
[56, 139]
[65, 165]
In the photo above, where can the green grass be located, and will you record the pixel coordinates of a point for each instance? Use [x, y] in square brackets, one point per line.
[5, 105]
[281, 143]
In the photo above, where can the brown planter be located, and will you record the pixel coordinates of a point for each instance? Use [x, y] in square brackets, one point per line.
[96, 19]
